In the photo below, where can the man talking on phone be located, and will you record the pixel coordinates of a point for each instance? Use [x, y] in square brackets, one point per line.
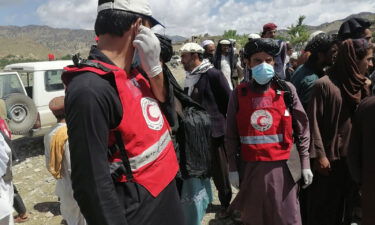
[122, 156]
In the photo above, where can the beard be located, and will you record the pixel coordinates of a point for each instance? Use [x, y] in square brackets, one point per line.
[189, 66]
[208, 56]
[259, 88]
[186, 68]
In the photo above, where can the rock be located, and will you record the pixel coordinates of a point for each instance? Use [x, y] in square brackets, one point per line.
[49, 214]
[49, 180]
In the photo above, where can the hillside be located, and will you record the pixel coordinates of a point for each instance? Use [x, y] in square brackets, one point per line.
[333, 27]
[36, 42]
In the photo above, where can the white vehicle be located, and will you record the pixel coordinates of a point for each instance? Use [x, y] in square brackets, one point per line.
[175, 61]
[40, 81]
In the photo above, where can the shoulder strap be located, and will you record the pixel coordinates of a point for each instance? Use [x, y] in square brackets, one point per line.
[288, 99]
[288, 94]
[124, 157]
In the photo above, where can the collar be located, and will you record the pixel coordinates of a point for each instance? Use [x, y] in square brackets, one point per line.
[96, 54]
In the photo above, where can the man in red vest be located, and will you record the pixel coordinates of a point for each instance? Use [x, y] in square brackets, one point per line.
[122, 157]
[265, 118]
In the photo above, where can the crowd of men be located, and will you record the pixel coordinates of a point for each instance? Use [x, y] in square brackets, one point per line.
[292, 131]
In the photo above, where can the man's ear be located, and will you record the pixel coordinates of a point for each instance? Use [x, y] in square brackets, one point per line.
[137, 25]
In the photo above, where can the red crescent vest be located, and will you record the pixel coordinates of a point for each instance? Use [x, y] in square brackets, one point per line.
[143, 128]
[4, 128]
[264, 124]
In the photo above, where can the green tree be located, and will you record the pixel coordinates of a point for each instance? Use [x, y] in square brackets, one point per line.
[67, 57]
[241, 40]
[230, 34]
[282, 37]
[298, 33]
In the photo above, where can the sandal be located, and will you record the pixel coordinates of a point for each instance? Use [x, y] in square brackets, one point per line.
[21, 219]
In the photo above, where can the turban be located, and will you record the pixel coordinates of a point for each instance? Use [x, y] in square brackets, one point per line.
[267, 45]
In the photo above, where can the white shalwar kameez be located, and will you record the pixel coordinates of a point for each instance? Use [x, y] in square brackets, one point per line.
[68, 206]
[6, 187]
[226, 70]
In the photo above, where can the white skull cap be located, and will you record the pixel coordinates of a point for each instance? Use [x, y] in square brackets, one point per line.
[207, 42]
[225, 42]
[191, 48]
[254, 36]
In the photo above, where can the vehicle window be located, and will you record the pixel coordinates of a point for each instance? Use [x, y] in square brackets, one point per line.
[28, 81]
[9, 84]
[53, 80]
[27, 78]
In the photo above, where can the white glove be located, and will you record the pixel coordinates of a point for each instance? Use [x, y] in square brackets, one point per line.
[148, 47]
[307, 177]
[234, 179]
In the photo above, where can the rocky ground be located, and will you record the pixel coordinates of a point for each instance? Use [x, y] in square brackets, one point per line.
[34, 183]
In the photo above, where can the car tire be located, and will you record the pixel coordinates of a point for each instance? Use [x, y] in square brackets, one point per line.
[23, 113]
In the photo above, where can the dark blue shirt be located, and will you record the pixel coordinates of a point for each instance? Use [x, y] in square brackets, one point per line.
[303, 79]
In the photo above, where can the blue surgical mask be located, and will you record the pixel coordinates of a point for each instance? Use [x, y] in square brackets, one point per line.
[263, 73]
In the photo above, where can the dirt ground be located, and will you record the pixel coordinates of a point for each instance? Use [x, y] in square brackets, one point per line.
[36, 185]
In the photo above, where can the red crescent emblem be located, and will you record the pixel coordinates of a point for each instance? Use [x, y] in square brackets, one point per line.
[259, 121]
[153, 119]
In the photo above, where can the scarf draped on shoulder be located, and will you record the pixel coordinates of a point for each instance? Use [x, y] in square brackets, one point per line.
[57, 151]
[346, 72]
[194, 76]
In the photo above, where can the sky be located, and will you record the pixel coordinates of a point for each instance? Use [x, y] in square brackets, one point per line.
[187, 17]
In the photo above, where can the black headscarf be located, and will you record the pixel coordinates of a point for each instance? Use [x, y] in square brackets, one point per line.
[353, 28]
